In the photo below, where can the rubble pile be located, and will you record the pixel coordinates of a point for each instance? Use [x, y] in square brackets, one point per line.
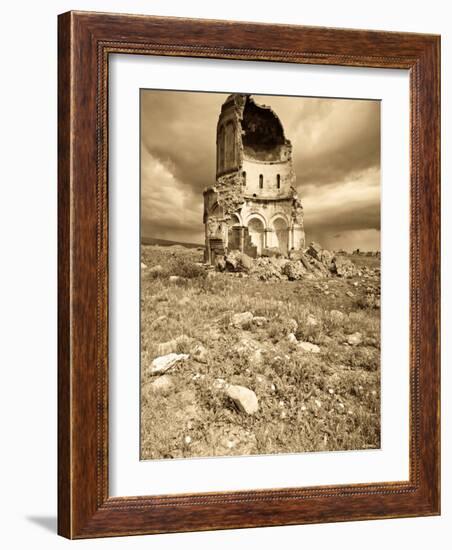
[312, 263]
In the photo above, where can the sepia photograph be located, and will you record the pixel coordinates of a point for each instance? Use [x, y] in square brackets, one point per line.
[260, 274]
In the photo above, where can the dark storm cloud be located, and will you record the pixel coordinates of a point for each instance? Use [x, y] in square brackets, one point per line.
[336, 153]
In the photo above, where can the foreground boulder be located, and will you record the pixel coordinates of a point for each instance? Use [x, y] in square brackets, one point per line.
[244, 398]
[165, 362]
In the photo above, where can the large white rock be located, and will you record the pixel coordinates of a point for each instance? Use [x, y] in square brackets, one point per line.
[307, 346]
[244, 398]
[165, 362]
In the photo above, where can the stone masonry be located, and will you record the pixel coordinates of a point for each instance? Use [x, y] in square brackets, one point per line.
[253, 206]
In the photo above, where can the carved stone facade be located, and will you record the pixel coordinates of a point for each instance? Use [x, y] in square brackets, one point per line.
[253, 205]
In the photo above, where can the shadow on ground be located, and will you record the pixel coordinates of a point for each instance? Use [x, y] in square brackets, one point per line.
[49, 523]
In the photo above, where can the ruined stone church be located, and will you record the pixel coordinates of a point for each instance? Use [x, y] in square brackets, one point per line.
[253, 206]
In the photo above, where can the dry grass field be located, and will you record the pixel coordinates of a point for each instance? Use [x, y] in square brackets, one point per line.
[325, 399]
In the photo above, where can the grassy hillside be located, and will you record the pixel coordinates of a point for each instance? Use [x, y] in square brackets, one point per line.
[322, 401]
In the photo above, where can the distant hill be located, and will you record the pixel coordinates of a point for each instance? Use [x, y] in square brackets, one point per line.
[164, 242]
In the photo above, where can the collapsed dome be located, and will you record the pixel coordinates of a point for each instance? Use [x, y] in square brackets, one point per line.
[263, 135]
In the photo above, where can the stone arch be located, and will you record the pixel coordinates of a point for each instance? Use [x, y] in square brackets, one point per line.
[256, 229]
[236, 219]
[259, 216]
[280, 226]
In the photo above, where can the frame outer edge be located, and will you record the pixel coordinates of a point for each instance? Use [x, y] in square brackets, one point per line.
[82, 511]
[64, 278]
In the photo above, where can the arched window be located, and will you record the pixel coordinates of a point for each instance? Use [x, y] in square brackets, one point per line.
[261, 181]
[278, 181]
[244, 178]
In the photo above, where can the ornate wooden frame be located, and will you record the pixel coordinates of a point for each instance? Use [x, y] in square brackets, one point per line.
[84, 44]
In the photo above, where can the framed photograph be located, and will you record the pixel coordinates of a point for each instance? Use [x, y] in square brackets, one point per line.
[249, 259]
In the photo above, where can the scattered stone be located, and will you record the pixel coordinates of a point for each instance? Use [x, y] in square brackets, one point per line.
[343, 267]
[292, 326]
[245, 346]
[162, 364]
[314, 250]
[291, 338]
[156, 270]
[246, 261]
[173, 345]
[162, 385]
[336, 316]
[143, 266]
[199, 353]
[271, 252]
[260, 321]
[256, 358]
[238, 261]
[305, 262]
[242, 320]
[184, 301]
[187, 440]
[320, 267]
[311, 321]
[157, 322]
[349, 293]
[307, 346]
[294, 271]
[244, 398]
[175, 279]
[326, 258]
[295, 255]
[354, 339]
[219, 383]
[220, 263]
[318, 403]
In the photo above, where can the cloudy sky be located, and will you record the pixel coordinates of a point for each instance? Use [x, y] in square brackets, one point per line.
[336, 155]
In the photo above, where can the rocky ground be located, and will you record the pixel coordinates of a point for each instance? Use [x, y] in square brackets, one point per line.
[258, 356]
